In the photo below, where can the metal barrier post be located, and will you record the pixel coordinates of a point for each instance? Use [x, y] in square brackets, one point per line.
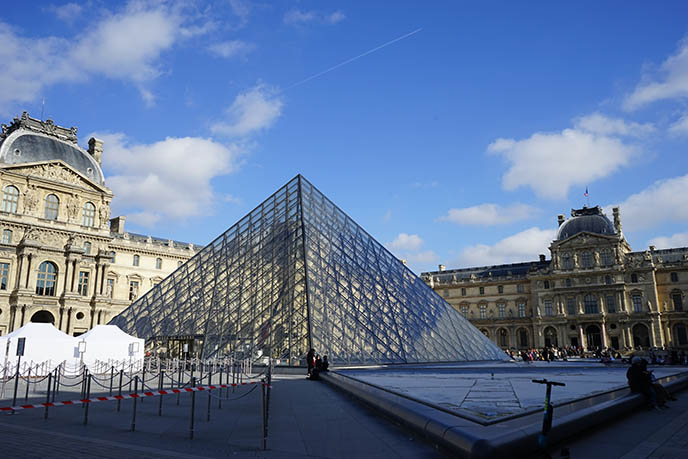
[28, 383]
[179, 381]
[143, 377]
[133, 412]
[58, 371]
[160, 382]
[193, 406]
[112, 375]
[47, 397]
[265, 424]
[209, 397]
[119, 402]
[88, 396]
[219, 400]
[16, 383]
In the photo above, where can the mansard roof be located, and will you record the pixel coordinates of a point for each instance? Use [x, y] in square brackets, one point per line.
[587, 219]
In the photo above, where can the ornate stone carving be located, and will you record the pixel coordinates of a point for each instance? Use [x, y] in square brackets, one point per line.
[30, 199]
[47, 238]
[104, 215]
[72, 208]
[47, 127]
[55, 172]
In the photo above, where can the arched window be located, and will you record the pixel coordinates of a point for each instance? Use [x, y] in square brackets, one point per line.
[137, 259]
[590, 302]
[88, 217]
[567, 261]
[52, 204]
[641, 336]
[10, 198]
[47, 279]
[503, 338]
[551, 337]
[87, 248]
[6, 236]
[158, 263]
[606, 258]
[680, 333]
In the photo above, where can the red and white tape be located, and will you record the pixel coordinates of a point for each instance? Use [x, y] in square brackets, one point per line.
[127, 396]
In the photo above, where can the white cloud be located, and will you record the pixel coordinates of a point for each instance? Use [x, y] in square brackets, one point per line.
[664, 201]
[126, 46]
[296, 16]
[241, 9]
[251, 111]
[526, 245]
[669, 242]
[490, 214]
[425, 257]
[232, 48]
[671, 82]
[166, 179]
[410, 242]
[69, 12]
[679, 127]
[387, 216]
[551, 163]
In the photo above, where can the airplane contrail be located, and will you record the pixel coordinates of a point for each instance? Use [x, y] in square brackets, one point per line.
[348, 61]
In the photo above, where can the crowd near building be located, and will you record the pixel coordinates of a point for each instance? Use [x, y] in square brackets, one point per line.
[593, 293]
[62, 259]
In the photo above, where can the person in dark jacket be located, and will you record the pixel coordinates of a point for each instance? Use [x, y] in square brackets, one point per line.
[310, 361]
[640, 381]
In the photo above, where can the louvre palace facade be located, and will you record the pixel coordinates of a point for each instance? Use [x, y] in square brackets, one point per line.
[62, 259]
[594, 291]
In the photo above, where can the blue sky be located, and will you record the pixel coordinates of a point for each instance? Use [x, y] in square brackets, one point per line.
[456, 144]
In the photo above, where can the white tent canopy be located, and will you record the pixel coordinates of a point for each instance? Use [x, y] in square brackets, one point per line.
[107, 346]
[44, 344]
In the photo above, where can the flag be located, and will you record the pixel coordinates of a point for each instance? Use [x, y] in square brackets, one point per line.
[586, 192]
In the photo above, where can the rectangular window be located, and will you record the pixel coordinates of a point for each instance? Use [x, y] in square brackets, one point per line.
[110, 287]
[637, 303]
[521, 309]
[83, 283]
[611, 304]
[483, 311]
[464, 310]
[463, 291]
[678, 301]
[482, 290]
[546, 284]
[4, 275]
[500, 289]
[445, 293]
[112, 258]
[606, 258]
[158, 264]
[133, 290]
[501, 307]
[136, 260]
[674, 277]
[520, 288]
[87, 248]
[6, 236]
[571, 306]
[548, 308]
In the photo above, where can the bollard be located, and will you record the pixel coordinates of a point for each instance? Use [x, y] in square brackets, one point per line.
[143, 379]
[58, 370]
[88, 396]
[112, 375]
[179, 381]
[160, 388]
[133, 412]
[265, 424]
[47, 398]
[121, 373]
[193, 406]
[28, 383]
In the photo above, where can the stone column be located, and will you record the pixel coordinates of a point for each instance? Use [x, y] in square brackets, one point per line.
[28, 269]
[66, 277]
[20, 266]
[604, 335]
[581, 337]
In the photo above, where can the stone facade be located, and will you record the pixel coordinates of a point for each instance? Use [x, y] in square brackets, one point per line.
[593, 292]
[62, 259]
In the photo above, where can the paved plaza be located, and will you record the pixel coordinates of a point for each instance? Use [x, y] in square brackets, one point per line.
[307, 419]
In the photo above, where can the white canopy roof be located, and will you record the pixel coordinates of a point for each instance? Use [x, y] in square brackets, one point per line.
[43, 343]
[107, 343]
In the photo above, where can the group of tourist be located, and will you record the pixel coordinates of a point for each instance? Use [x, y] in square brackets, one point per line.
[316, 364]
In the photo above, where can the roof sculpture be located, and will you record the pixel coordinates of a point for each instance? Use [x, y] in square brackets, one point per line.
[297, 273]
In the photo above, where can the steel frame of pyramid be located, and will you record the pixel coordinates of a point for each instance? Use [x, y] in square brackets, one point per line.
[297, 273]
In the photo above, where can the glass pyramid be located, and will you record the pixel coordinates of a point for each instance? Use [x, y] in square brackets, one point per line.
[298, 273]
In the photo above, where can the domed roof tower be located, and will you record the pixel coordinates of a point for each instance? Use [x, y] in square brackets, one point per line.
[590, 220]
[29, 140]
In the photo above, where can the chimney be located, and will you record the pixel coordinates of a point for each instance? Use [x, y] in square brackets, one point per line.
[542, 258]
[95, 148]
[560, 219]
[442, 267]
[117, 224]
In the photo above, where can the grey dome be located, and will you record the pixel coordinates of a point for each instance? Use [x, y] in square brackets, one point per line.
[590, 220]
[29, 147]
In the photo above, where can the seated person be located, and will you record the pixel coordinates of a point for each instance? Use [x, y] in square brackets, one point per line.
[640, 381]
